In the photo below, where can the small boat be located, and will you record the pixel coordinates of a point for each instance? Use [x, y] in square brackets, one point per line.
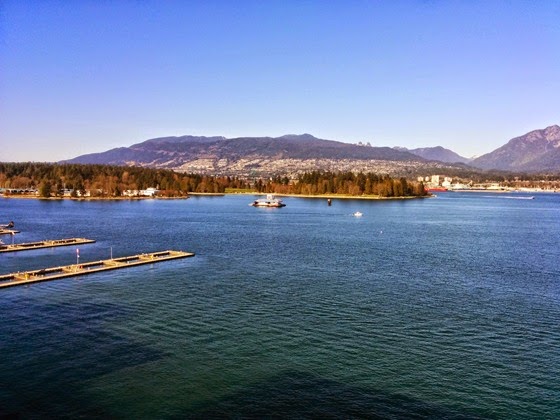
[357, 214]
[269, 201]
[8, 226]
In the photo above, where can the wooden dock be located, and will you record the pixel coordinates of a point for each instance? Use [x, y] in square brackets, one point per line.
[8, 231]
[44, 244]
[55, 273]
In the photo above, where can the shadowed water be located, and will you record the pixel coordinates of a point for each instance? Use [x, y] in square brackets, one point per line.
[445, 307]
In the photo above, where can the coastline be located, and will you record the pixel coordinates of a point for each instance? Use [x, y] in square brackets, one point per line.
[255, 193]
[29, 197]
[513, 191]
[321, 196]
[334, 196]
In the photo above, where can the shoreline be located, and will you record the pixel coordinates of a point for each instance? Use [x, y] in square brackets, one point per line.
[335, 196]
[506, 191]
[28, 197]
[312, 196]
[321, 196]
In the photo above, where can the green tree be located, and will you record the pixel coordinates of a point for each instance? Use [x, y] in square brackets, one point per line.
[46, 189]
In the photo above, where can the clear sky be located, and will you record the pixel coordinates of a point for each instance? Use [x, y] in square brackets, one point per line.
[86, 76]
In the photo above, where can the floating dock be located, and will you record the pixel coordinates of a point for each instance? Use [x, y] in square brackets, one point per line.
[44, 244]
[55, 273]
[8, 231]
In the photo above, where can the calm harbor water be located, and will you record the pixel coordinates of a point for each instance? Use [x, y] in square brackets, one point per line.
[444, 307]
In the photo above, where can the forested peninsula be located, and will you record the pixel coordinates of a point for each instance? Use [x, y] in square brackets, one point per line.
[105, 181]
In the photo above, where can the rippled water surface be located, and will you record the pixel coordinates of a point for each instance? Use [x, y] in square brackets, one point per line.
[445, 307]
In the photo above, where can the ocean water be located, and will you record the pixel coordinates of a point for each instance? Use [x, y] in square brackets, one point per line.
[436, 308]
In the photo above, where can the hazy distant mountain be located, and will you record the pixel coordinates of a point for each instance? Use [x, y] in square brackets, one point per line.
[437, 153]
[255, 155]
[537, 151]
[175, 151]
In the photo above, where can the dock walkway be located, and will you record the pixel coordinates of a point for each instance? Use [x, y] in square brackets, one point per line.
[54, 273]
[44, 244]
[8, 231]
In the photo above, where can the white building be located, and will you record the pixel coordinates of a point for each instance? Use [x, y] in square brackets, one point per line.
[148, 192]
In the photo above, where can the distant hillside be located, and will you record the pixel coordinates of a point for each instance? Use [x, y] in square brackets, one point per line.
[174, 152]
[536, 151]
[439, 153]
[256, 155]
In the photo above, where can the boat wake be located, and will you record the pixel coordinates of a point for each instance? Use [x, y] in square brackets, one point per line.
[511, 197]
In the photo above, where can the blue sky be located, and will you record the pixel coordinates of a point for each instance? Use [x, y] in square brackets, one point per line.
[81, 77]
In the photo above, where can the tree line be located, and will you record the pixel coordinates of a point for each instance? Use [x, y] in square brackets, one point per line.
[106, 180]
[344, 183]
[113, 181]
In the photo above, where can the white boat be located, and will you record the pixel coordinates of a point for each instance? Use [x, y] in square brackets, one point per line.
[357, 214]
[269, 201]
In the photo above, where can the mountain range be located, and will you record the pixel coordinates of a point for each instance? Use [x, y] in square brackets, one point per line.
[437, 153]
[537, 151]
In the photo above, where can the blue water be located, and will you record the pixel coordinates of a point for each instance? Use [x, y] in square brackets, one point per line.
[441, 308]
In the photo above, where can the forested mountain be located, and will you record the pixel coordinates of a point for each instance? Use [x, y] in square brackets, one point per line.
[175, 152]
[536, 151]
[259, 156]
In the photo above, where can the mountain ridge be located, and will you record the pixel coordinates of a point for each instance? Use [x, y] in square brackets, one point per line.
[535, 151]
[243, 154]
[438, 153]
[538, 150]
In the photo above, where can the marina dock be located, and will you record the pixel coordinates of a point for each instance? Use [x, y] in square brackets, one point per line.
[55, 273]
[44, 244]
[8, 231]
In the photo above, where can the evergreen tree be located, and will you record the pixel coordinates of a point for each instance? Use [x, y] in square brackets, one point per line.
[46, 189]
